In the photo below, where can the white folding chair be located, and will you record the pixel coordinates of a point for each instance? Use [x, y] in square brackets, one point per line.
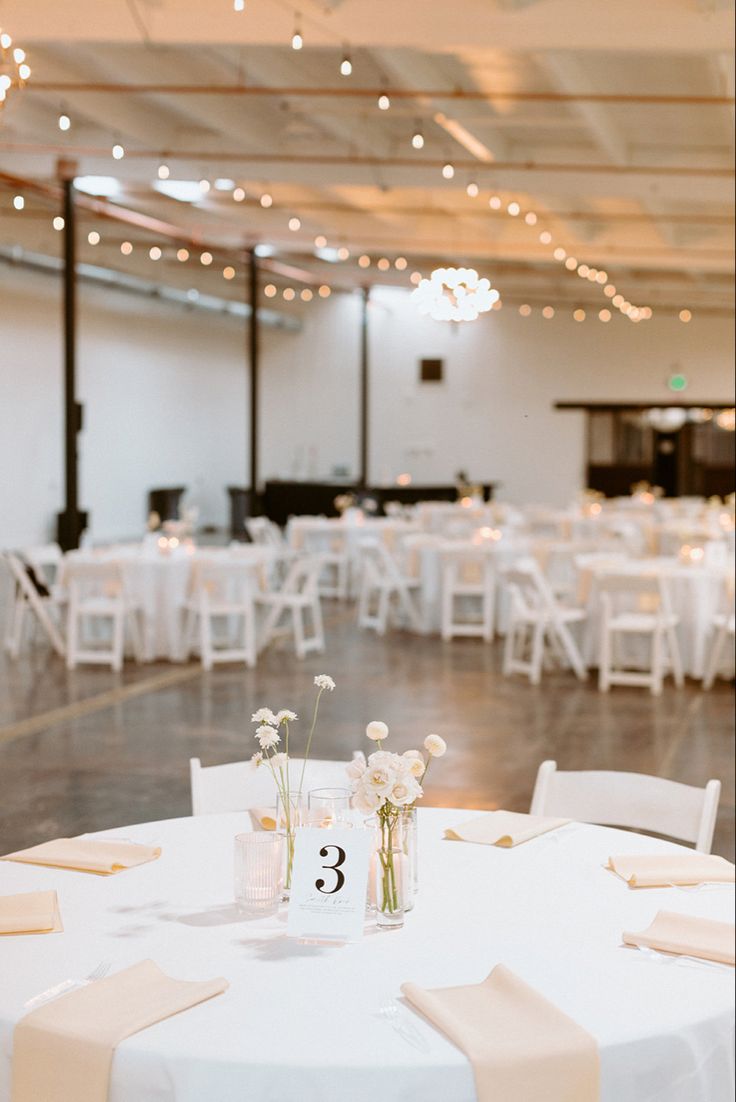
[633, 800]
[46, 560]
[32, 595]
[468, 593]
[221, 593]
[298, 596]
[264, 532]
[96, 591]
[241, 785]
[636, 605]
[381, 582]
[535, 618]
[723, 625]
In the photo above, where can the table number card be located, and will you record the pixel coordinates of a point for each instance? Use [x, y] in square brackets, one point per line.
[329, 883]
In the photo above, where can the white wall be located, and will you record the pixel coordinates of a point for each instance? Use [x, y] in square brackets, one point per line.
[165, 394]
[165, 397]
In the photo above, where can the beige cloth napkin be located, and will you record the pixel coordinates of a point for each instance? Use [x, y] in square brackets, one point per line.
[522, 1048]
[688, 936]
[30, 913]
[62, 1052]
[86, 855]
[503, 828]
[662, 870]
[263, 818]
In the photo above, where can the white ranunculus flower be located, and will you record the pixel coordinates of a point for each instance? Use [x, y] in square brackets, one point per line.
[435, 746]
[355, 770]
[377, 731]
[366, 801]
[285, 716]
[268, 737]
[414, 763]
[263, 715]
[380, 780]
[405, 792]
[323, 681]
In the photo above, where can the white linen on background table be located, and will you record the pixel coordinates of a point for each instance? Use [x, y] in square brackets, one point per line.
[302, 1024]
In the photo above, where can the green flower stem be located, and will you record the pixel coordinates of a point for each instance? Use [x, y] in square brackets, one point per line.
[309, 739]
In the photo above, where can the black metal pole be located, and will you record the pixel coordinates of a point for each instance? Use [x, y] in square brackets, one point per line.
[364, 392]
[70, 521]
[253, 357]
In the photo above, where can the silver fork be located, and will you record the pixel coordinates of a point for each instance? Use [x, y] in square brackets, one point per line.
[678, 958]
[67, 985]
[406, 1029]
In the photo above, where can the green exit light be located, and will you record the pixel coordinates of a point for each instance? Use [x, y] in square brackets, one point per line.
[677, 382]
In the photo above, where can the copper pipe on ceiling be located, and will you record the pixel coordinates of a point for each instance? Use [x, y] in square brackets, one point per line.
[340, 161]
[113, 88]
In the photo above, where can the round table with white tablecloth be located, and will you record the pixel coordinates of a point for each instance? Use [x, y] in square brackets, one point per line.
[158, 580]
[302, 1023]
[696, 592]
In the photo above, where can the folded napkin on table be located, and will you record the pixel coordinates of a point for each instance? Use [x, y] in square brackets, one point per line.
[86, 855]
[263, 818]
[503, 828]
[522, 1048]
[662, 870]
[62, 1052]
[30, 913]
[687, 936]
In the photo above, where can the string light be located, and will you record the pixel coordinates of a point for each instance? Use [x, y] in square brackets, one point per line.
[228, 272]
[571, 263]
[545, 237]
[415, 278]
[5, 40]
[448, 171]
[58, 223]
[364, 261]
[383, 102]
[609, 290]
[559, 253]
[64, 122]
[163, 172]
[417, 139]
[206, 259]
[204, 186]
[343, 253]
[495, 202]
[289, 293]
[296, 39]
[604, 315]
[239, 194]
[324, 291]
[154, 252]
[548, 312]
[583, 270]
[472, 189]
[93, 237]
[306, 295]
[126, 248]
[295, 224]
[513, 209]
[238, 5]
[400, 263]
[19, 202]
[383, 264]
[346, 66]
[266, 200]
[684, 315]
[530, 218]
[579, 315]
[320, 241]
[24, 71]
[269, 290]
[182, 255]
[118, 152]
[525, 310]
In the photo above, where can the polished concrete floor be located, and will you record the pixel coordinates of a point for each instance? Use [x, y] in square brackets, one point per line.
[92, 749]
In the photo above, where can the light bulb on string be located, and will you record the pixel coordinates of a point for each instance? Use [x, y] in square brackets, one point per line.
[417, 139]
[118, 152]
[64, 122]
[238, 5]
[266, 200]
[383, 102]
[448, 171]
[163, 172]
[346, 66]
[472, 189]
[24, 71]
[19, 202]
[297, 40]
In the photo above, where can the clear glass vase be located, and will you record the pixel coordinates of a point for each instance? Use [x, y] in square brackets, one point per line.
[290, 814]
[411, 856]
[390, 873]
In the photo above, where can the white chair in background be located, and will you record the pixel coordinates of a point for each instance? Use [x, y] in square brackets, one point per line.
[535, 618]
[241, 785]
[381, 582]
[633, 800]
[46, 560]
[651, 615]
[334, 580]
[31, 595]
[221, 592]
[468, 579]
[297, 597]
[96, 591]
[265, 533]
[723, 626]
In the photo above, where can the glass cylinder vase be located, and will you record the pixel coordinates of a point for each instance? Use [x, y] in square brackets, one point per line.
[389, 871]
[290, 814]
[411, 856]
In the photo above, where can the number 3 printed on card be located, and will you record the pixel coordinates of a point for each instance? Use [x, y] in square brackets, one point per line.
[339, 876]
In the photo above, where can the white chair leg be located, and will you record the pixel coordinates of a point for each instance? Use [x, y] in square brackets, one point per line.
[72, 637]
[675, 658]
[317, 624]
[205, 639]
[714, 659]
[537, 654]
[447, 603]
[489, 610]
[135, 627]
[298, 623]
[508, 646]
[570, 648]
[657, 662]
[118, 640]
[604, 659]
[384, 598]
[249, 637]
[271, 623]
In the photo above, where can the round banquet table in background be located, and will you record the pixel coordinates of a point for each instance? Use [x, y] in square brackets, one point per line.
[160, 583]
[302, 1023]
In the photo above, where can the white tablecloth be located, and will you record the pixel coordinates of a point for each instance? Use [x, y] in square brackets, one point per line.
[697, 592]
[159, 583]
[344, 533]
[301, 1023]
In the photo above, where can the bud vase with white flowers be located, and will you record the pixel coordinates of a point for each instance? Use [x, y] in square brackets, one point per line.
[388, 786]
[268, 736]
